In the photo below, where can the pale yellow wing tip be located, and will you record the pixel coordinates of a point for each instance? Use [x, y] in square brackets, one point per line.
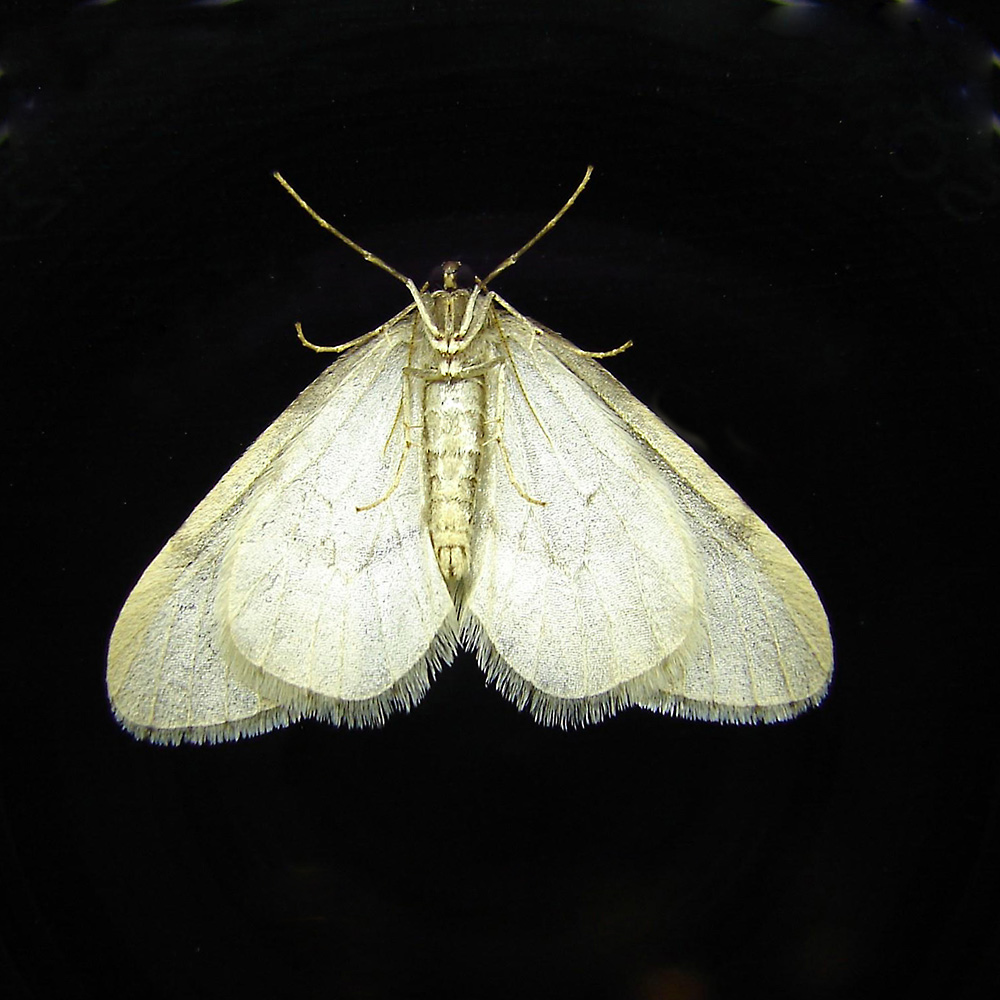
[225, 732]
[683, 708]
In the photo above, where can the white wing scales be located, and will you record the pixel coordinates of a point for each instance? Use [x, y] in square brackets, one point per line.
[646, 579]
[235, 626]
[167, 676]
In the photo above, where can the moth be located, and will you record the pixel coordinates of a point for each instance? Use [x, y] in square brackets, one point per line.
[464, 476]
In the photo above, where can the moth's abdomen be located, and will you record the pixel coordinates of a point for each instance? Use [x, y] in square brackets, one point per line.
[453, 435]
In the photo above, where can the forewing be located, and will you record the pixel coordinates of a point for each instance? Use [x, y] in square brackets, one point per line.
[277, 598]
[644, 579]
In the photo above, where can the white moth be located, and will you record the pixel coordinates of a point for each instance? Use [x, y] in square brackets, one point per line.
[464, 476]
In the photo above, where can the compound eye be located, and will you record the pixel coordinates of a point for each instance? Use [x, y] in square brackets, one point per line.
[451, 276]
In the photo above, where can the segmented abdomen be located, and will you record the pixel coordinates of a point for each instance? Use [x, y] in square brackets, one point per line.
[454, 414]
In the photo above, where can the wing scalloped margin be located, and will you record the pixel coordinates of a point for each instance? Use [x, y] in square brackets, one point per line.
[739, 553]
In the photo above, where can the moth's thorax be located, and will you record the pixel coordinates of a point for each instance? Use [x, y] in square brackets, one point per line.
[448, 309]
[452, 341]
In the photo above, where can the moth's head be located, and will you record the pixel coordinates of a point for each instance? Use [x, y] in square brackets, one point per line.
[451, 276]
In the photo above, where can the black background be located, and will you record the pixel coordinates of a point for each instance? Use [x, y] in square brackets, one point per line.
[793, 214]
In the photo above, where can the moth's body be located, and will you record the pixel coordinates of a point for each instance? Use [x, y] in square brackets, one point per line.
[463, 476]
[452, 363]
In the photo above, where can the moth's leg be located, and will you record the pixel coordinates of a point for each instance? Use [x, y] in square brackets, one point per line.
[404, 411]
[600, 354]
[471, 309]
[357, 342]
[498, 438]
[576, 350]
[517, 375]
